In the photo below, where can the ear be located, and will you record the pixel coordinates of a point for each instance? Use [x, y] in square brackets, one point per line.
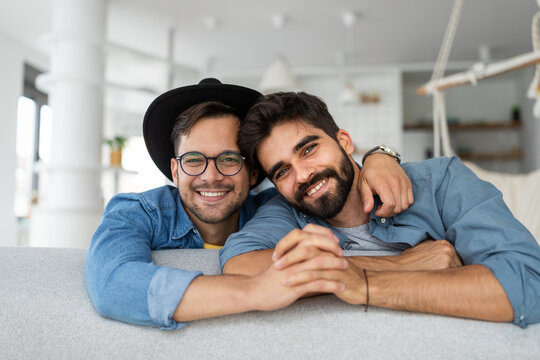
[174, 171]
[344, 139]
[253, 174]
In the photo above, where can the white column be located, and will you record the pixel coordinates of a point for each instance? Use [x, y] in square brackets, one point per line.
[69, 206]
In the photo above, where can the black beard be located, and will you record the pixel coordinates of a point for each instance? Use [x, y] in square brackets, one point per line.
[330, 204]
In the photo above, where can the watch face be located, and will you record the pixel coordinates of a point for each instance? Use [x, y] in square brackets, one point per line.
[390, 152]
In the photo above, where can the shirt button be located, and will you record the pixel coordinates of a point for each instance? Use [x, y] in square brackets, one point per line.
[195, 231]
[383, 220]
[521, 317]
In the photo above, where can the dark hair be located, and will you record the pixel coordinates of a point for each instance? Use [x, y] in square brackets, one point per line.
[185, 121]
[278, 108]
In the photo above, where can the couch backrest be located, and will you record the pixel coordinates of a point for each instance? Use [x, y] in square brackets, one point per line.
[46, 313]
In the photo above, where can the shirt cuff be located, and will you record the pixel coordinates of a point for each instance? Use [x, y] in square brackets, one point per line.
[511, 279]
[166, 290]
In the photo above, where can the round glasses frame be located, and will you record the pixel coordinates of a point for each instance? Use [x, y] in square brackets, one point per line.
[206, 158]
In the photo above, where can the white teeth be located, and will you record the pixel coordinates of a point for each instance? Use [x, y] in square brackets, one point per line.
[316, 188]
[212, 194]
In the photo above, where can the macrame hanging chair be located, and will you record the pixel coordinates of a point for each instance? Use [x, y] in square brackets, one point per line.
[441, 137]
[520, 191]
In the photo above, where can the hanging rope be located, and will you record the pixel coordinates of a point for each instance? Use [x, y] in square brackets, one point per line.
[536, 47]
[444, 51]
[440, 126]
[534, 89]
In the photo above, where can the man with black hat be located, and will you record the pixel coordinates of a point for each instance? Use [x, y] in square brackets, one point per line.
[191, 134]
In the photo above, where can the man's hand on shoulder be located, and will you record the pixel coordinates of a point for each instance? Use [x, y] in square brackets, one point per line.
[382, 175]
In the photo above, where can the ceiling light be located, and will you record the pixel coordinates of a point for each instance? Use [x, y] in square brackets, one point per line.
[278, 20]
[349, 95]
[211, 22]
[278, 76]
[349, 18]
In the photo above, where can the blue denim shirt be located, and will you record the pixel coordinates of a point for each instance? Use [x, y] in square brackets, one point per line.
[450, 203]
[122, 281]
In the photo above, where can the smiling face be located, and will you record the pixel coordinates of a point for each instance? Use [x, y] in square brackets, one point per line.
[211, 197]
[309, 168]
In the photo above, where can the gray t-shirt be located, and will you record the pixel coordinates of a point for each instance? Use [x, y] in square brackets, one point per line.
[359, 238]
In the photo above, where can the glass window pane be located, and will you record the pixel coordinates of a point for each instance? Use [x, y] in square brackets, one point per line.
[45, 133]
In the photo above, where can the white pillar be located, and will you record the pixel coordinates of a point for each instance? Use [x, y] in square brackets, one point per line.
[69, 206]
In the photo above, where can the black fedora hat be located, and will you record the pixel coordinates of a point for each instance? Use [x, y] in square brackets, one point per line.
[162, 113]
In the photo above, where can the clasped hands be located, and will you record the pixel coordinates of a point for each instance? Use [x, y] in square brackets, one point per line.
[311, 261]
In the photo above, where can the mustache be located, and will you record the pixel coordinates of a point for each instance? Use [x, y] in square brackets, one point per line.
[214, 187]
[302, 188]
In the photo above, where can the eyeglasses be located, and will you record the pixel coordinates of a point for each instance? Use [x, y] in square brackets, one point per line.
[227, 163]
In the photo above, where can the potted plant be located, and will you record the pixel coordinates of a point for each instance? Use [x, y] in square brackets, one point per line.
[516, 113]
[116, 144]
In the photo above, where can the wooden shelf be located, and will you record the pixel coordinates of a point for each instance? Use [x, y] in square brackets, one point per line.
[514, 154]
[508, 155]
[469, 126]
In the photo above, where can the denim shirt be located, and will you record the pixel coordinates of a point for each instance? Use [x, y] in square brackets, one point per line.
[450, 203]
[123, 282]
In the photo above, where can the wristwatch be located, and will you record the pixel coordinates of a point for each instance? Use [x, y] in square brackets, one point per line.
[382, 149]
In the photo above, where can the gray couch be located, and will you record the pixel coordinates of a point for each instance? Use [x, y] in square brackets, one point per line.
[46, 313]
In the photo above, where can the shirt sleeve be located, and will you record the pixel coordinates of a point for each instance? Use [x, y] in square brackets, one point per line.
[484, 231]
[122, 281]
[272, 222]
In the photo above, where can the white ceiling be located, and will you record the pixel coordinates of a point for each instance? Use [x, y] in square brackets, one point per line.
[244, 40]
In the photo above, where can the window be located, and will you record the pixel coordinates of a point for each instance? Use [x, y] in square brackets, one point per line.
[26, 114]
[34, 120]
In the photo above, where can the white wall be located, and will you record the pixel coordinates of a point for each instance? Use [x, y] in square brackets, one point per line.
[415, 143]
[368, 124]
